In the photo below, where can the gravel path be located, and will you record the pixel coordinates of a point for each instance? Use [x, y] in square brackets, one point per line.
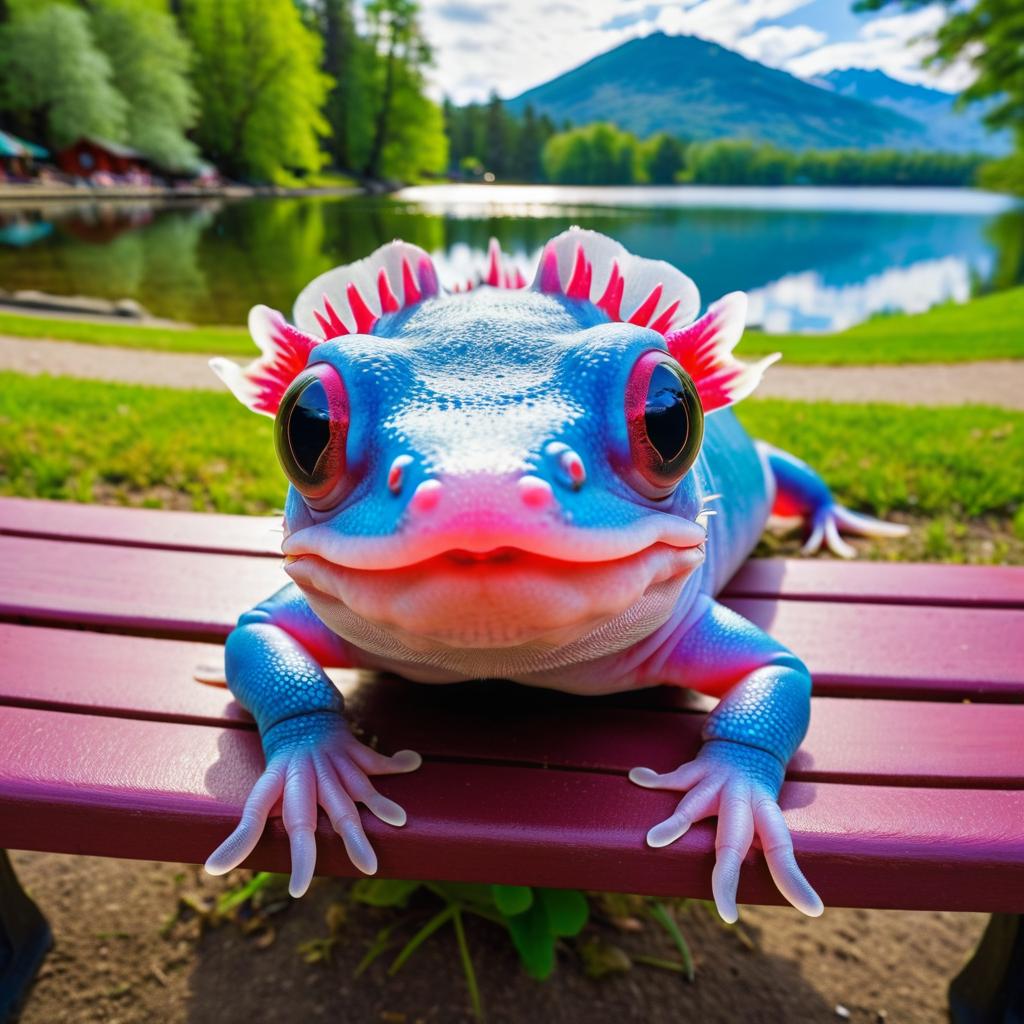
[998, 383]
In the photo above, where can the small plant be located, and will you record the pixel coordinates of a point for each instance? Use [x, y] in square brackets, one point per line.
[537, 921]
[535, 918]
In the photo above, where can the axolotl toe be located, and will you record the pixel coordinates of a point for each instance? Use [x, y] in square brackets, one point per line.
[542, 483]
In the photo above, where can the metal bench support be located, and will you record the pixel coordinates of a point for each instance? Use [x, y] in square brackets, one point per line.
[24, 940]
[990, 988]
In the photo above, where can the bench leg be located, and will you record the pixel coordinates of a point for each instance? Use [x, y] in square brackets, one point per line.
[990, 988]
[24, 940]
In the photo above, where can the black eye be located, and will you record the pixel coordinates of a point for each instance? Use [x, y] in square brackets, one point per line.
[666, 413]
[310, 432]
[309, 426]
[665, 420]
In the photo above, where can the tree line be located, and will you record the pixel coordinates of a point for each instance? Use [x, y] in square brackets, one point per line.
[279, 90]
[269, 91]
[488, 139]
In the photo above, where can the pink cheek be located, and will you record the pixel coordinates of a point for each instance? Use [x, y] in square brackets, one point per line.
[534, 492]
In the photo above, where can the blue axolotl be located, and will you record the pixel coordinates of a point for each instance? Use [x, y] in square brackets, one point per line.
[540, 483]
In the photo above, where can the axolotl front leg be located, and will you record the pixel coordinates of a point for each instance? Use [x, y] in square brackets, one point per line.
[273, 661]
[749, 738]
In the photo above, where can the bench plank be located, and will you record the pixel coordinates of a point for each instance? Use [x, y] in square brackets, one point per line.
[141, 527]
[896, 742]
[823, 579]
[815, 579]
[155, 790]
[850, 648]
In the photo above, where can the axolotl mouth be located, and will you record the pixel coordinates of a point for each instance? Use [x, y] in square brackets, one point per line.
[504, 597]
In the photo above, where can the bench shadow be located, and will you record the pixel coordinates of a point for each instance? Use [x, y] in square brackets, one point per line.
[233, 981]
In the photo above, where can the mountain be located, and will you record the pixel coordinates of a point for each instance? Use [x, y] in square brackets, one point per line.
[698, 89]
[948, 128]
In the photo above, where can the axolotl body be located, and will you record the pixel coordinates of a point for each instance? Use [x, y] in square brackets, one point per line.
[540, 483]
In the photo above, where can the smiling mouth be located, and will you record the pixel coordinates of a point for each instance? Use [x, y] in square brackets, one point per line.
[502, 597]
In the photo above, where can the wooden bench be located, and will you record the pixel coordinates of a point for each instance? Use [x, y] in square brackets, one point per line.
[907, 793]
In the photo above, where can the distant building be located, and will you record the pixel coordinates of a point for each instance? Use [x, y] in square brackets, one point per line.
[17, 156]
[89, 157]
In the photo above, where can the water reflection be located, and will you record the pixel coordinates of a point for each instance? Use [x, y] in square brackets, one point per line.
[806, 268]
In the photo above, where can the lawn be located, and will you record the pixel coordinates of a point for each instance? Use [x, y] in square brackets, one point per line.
[957, 475]
[226, 341]
[990, 327]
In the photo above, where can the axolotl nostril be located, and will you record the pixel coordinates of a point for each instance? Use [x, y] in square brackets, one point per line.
[542, 483]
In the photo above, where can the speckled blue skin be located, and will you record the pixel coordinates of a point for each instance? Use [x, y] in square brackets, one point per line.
[476, 391]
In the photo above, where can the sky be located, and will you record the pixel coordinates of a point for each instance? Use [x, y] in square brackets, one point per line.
[511, 45]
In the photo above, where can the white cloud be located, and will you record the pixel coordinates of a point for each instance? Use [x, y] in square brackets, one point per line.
[485, 44]
[513, 47]
[493, 44]
[774, 45]
[897, 45]
[722, 21]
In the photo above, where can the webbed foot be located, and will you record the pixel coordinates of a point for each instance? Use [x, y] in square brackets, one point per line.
[739, 784]
[314, 761]
[828, 520]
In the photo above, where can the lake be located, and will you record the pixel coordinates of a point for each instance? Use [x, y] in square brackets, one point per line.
[811, 259]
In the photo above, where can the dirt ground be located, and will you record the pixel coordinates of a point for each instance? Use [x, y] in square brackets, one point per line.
[996, 382]
[120, 957]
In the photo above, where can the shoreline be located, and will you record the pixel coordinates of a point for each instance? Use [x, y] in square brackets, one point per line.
[20, 194]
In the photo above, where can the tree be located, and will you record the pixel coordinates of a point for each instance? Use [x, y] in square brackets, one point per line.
[257, 72]
[597, 154]
[56, 84]
[528, 149]
[407, 134]
[989, 35]
[664, 157]
[501, 138]
[345, 58]
[150, 62]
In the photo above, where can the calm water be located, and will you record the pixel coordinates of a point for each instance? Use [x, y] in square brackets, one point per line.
[811, 259]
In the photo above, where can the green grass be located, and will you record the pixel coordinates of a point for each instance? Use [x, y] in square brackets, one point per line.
[119, 444]
[990, 327]
[956, 474]
[224, 341]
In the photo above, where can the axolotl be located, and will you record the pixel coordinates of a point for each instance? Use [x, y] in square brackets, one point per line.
[535, 482]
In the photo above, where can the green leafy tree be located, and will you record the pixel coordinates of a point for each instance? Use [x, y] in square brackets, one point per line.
[597, 154]
[664, 157]
[56, 83]
[262, 93]
[407, 135]
[346, 59]
[989, 35]
[150, 62]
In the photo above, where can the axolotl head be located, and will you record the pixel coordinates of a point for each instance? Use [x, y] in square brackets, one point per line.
[505, 468]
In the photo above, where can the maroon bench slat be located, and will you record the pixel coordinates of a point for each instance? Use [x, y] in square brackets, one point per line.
[896, 650]
[814, 579]
[182, 593]
[140, 527]
[895, 742]
[155, 790]
[822, 579]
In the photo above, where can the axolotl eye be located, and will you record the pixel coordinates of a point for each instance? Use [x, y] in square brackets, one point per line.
[665, 421]
[310, 433]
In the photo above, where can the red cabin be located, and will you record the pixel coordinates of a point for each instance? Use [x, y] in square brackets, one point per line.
[89, 156]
